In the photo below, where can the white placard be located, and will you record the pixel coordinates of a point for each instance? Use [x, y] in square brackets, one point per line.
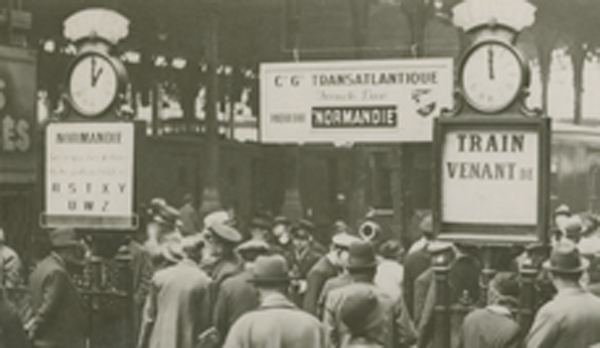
[490, 177]
[353, 101]
[89, 174]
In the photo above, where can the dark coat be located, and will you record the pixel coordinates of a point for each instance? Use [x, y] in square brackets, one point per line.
[58, 317]
[388, 323]
[491, 327]
[415, 264]
[12, 334]
[237, 296]
[303, 262]
[330, 285]
[315, 280]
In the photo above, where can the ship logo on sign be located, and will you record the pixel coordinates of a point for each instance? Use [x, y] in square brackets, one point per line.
[355, 117]
[424, 100]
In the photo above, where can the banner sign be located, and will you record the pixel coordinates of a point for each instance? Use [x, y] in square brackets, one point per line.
[491, 178]
[18, 90]
[353, 101]
[89, 175]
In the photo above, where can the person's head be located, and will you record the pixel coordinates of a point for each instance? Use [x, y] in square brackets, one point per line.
[362, 263]
[281, 230]
[356, 310]
[164, 217]
[64, 242]
[192, 247]
[250, 250]
[566, 265]
[561, 215]
[270, 274]
[338, 251]
[391, 250]
[572, 229]
[260, 229]
[504, 289]
[221, 239]
[300, 238]
[426, 227]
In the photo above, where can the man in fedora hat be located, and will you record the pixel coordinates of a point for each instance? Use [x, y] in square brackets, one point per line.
[277, 322]
[328, 266]
[176, 310]
[237, 296]
[572, 318]
[387, 325]
[58, 317]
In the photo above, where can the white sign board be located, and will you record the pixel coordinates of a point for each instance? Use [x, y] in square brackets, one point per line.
[89, 175]
[490, 176]
[353, 101]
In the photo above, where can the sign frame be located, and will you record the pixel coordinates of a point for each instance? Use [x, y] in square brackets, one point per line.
[494, 233]
[105, 223]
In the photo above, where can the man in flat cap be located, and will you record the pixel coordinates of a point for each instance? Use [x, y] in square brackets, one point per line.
[328, 266]
[177, 308]
[58, 316]
[572, 317]
[277, 322]
[388, 324]
[237, 296]
[221, 241]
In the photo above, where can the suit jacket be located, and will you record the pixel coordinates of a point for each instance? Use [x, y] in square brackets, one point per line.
[278, 323]
[571, 319]
[176, 309]
[58, 315]
[303, 262]
[388, 324]
[316, 278]
[237, 296]
[490, 327]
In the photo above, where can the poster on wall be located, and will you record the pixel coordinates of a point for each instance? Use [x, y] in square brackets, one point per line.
[492, 179]
[353, 101]
[89, 175]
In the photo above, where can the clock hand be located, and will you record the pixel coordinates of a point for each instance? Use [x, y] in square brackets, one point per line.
[491, 62]
[96, 76]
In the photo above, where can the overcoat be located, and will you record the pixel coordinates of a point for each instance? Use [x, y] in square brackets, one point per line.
[323, 270]
[58, 317]
[176, 309]
[236, 297]
[388, 324]
[571, 319]
[277, 323]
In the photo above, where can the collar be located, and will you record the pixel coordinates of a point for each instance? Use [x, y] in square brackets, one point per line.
[57, 258]
[570, 291]
[276, 300]
[498, 309]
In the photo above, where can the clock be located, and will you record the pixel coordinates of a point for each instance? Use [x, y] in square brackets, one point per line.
[94, 83]
[491, 76]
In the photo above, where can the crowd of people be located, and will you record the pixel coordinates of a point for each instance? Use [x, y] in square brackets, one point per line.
[203, 283]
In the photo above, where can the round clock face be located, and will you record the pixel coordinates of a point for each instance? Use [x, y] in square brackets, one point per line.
[492, 75]
[93, 84]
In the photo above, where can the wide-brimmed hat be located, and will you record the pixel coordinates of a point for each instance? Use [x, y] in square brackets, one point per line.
[216, 217]
[281, 220]
[253, 245]
[270, 269]
[163, 213]
[306, 224]
[344, 240]
[300, 233]
[361, 255]
[225, 233]
[64, 237]
[565, 258]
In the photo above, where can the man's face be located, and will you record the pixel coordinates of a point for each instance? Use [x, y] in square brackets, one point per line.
[301, 243]
[281, 233]
[341, 256]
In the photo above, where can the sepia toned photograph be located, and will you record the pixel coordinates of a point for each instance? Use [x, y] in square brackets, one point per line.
[299, 174]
